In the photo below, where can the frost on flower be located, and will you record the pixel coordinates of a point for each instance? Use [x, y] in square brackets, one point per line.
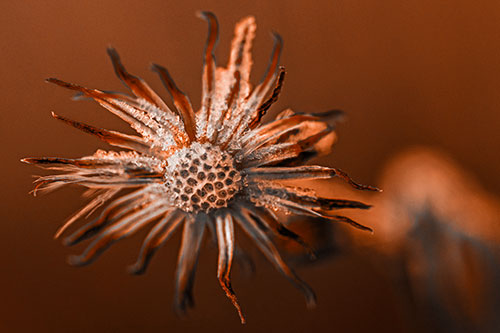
[215, 168]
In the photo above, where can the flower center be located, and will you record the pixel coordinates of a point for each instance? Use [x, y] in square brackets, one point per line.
[201, 178]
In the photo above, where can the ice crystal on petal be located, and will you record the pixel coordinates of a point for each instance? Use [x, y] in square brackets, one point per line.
[213, 169]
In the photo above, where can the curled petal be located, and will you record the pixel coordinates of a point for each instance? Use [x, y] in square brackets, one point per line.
[274, 60]
[271, 222]
[244, 260]
[114, 211]
[270, 251]
[138, 86]
[119, 230]
[209, 65]
[273, 130]
[51, 183]
[158, 236]
[296, 208]
[313, 136]
[303, 172]
[251, 114]
[288, 152]
[143, 118]
[61, 163]
[120, 109]
[98, 201]
[261, 110]
[112, 137]
[192, 236]
[181, 101]
[225, 239]
[304, 197]
[302, 202]
[331, 116]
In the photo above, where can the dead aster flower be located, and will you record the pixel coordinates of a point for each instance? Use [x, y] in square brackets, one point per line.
[208, 169]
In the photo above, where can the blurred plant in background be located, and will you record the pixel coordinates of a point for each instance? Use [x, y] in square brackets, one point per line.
[436, 239]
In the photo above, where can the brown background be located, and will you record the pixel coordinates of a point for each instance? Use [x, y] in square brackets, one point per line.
[407, 72]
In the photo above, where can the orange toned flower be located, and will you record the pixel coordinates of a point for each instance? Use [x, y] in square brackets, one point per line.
[215, 168]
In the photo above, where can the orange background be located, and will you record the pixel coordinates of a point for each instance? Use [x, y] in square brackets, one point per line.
[406, 72]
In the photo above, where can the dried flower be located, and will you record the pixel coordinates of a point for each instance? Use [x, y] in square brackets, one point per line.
[208, 169]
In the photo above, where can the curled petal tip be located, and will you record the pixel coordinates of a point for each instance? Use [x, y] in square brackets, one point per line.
[111, 51]
[373, 188]
[205, 15]
[68, 242]
[181, 307]
[334, 115]
[135, 269]
[158, 68]
[364, 206]
[55, 81]
[311, 301]
[62, 83]
[364, 228]
[155, 67]
[75, 260]
[277, 37]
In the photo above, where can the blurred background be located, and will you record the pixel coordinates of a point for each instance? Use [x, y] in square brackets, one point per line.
[408, 73]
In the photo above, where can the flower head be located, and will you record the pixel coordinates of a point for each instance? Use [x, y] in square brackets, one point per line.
[211, 169]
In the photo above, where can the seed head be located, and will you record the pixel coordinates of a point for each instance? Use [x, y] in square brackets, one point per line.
[201, 178]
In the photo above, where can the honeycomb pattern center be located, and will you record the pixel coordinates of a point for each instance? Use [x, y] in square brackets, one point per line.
[201, 177]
